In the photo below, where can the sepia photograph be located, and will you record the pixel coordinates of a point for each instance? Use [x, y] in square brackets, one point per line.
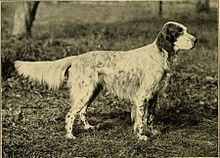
[115, 79]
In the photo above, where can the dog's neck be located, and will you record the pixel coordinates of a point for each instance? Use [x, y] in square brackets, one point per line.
[169, 61]
[168, 51]
[165, 56]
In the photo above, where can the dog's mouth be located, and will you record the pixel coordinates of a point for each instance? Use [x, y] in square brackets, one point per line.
[194, 43]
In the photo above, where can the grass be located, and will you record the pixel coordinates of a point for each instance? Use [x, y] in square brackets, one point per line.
[33, 118]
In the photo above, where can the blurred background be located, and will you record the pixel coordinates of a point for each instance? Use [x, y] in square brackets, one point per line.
[52, 30]
[85, 26]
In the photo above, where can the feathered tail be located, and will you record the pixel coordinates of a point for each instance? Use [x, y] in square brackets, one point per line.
[46, 72]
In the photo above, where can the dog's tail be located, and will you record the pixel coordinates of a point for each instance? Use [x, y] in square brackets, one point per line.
[50, 73]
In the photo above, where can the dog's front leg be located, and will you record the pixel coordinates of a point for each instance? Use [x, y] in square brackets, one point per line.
[139, 121]
[149, 116]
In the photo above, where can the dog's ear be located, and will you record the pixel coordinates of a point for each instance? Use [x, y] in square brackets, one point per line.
[167, 37]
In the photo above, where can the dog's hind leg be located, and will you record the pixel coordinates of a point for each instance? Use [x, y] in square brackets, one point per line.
[83, 87]
[133, 113]
[79, 106]
[70, 117]
[82, 113]
[84, 120]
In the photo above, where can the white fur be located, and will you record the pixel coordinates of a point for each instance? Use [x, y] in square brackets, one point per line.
[136, 75]
[50, 73]
[186, 41]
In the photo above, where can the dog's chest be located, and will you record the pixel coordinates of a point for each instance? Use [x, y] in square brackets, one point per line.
[156, 73]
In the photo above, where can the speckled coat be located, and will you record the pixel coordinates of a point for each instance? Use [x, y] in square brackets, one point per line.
[136, 75]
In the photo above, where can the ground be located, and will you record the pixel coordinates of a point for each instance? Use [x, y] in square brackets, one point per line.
[33, 117]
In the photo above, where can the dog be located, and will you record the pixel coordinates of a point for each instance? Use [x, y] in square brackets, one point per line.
[136, 75]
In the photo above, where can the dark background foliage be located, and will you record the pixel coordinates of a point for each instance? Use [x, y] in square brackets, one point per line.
[33, 117]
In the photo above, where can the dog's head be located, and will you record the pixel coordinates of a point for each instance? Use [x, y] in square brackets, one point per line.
[173, 37]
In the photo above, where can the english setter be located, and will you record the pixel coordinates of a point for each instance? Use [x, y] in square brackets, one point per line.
[136, 75]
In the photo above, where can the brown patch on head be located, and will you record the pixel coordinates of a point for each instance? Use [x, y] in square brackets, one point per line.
[168, 36]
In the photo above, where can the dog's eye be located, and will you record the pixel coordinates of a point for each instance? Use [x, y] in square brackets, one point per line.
[179, 32]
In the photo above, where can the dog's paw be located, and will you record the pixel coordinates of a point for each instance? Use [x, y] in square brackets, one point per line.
[90, 127]
[98, 126]
[142, 137]
[152, 133]
[70, 136]
[155, 132]
[165, 95]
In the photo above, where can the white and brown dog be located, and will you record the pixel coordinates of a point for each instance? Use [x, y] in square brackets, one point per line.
[136, 75]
